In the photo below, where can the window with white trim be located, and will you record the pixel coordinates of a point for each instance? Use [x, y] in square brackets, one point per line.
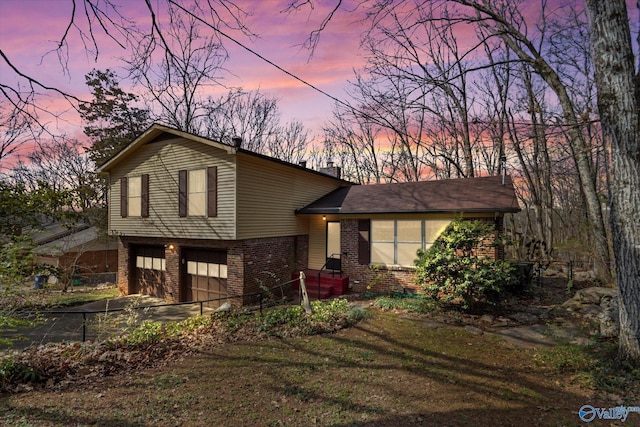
[395, 242]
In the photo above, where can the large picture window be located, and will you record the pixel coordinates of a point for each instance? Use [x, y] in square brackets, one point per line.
[395, 242]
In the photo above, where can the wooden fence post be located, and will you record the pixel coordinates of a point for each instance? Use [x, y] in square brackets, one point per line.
[305, 297]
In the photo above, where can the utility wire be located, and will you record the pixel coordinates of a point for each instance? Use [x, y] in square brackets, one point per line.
[311, 85]
[268, 61]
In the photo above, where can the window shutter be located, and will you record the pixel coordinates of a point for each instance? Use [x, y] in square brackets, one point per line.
[124, 196]
[144, 203]
[182, 193]
[364, 251]
[212, 191]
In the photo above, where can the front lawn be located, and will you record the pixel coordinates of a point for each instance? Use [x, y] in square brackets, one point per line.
[393, 369]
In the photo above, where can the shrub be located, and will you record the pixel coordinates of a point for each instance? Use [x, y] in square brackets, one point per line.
[451, 268]
[150, 332]
[15, 372]
[329, 311]
[284, 315]
[281, 321]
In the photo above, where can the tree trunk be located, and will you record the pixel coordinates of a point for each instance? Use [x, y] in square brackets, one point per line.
[586, 174]
[497, 22]
[619, 113]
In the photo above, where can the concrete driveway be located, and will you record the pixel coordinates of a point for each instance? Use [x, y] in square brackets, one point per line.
[99, 318]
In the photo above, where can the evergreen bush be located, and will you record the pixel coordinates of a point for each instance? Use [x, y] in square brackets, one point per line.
[452, 269]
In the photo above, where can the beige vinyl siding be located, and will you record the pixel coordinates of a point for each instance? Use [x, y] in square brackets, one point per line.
[162, 160]
[317, 241]
[269, 194]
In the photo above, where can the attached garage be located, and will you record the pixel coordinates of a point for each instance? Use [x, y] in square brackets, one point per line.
[206, 276]
[150, 268]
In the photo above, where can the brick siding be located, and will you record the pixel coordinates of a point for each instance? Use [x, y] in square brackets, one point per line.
[251, 262]
[123, 267]
[382, 279]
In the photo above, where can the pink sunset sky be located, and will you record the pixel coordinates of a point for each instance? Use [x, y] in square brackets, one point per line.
[30, 29]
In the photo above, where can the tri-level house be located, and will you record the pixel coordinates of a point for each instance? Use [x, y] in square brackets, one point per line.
[198, 220]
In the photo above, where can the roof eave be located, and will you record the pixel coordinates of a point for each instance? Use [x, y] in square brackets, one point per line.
[327, 211]
[318, 211]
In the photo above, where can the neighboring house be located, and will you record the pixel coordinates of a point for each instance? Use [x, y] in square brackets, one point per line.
[197, 219]
[77, 251]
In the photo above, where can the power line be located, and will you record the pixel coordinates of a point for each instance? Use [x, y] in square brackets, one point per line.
[253, 52]
[327, 94]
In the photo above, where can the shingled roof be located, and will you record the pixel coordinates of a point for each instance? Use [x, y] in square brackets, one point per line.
[485, 194]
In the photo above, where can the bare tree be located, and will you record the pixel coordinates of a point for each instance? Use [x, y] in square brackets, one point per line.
[250, 115]
[176, 63]
[357, 144]
[504, 21]
[98, 23]
[619, 105]
[418, 79]
[493, 21]
[530, 143]
[255, 118]
[289, 143]
[16, 129]
[64, 167]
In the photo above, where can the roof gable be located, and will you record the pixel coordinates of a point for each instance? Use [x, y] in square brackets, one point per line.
[157, 133]
[485, 194]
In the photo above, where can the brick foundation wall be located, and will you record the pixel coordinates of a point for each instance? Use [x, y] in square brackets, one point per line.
[381, 279]
[365, 278]
[123, 267]
[269, 260]
[172, 258]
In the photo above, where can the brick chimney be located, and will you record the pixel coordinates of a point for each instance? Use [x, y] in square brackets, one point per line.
[331, 170]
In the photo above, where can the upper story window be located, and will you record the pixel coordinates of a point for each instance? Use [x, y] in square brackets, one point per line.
[134, 202]
[395, 242]
[198, 192]
[134, 196]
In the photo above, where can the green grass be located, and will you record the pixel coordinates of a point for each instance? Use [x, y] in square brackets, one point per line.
[417, 303]
[386, 370]
[595, 365]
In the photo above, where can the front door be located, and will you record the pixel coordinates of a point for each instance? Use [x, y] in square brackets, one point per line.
[333, 245]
